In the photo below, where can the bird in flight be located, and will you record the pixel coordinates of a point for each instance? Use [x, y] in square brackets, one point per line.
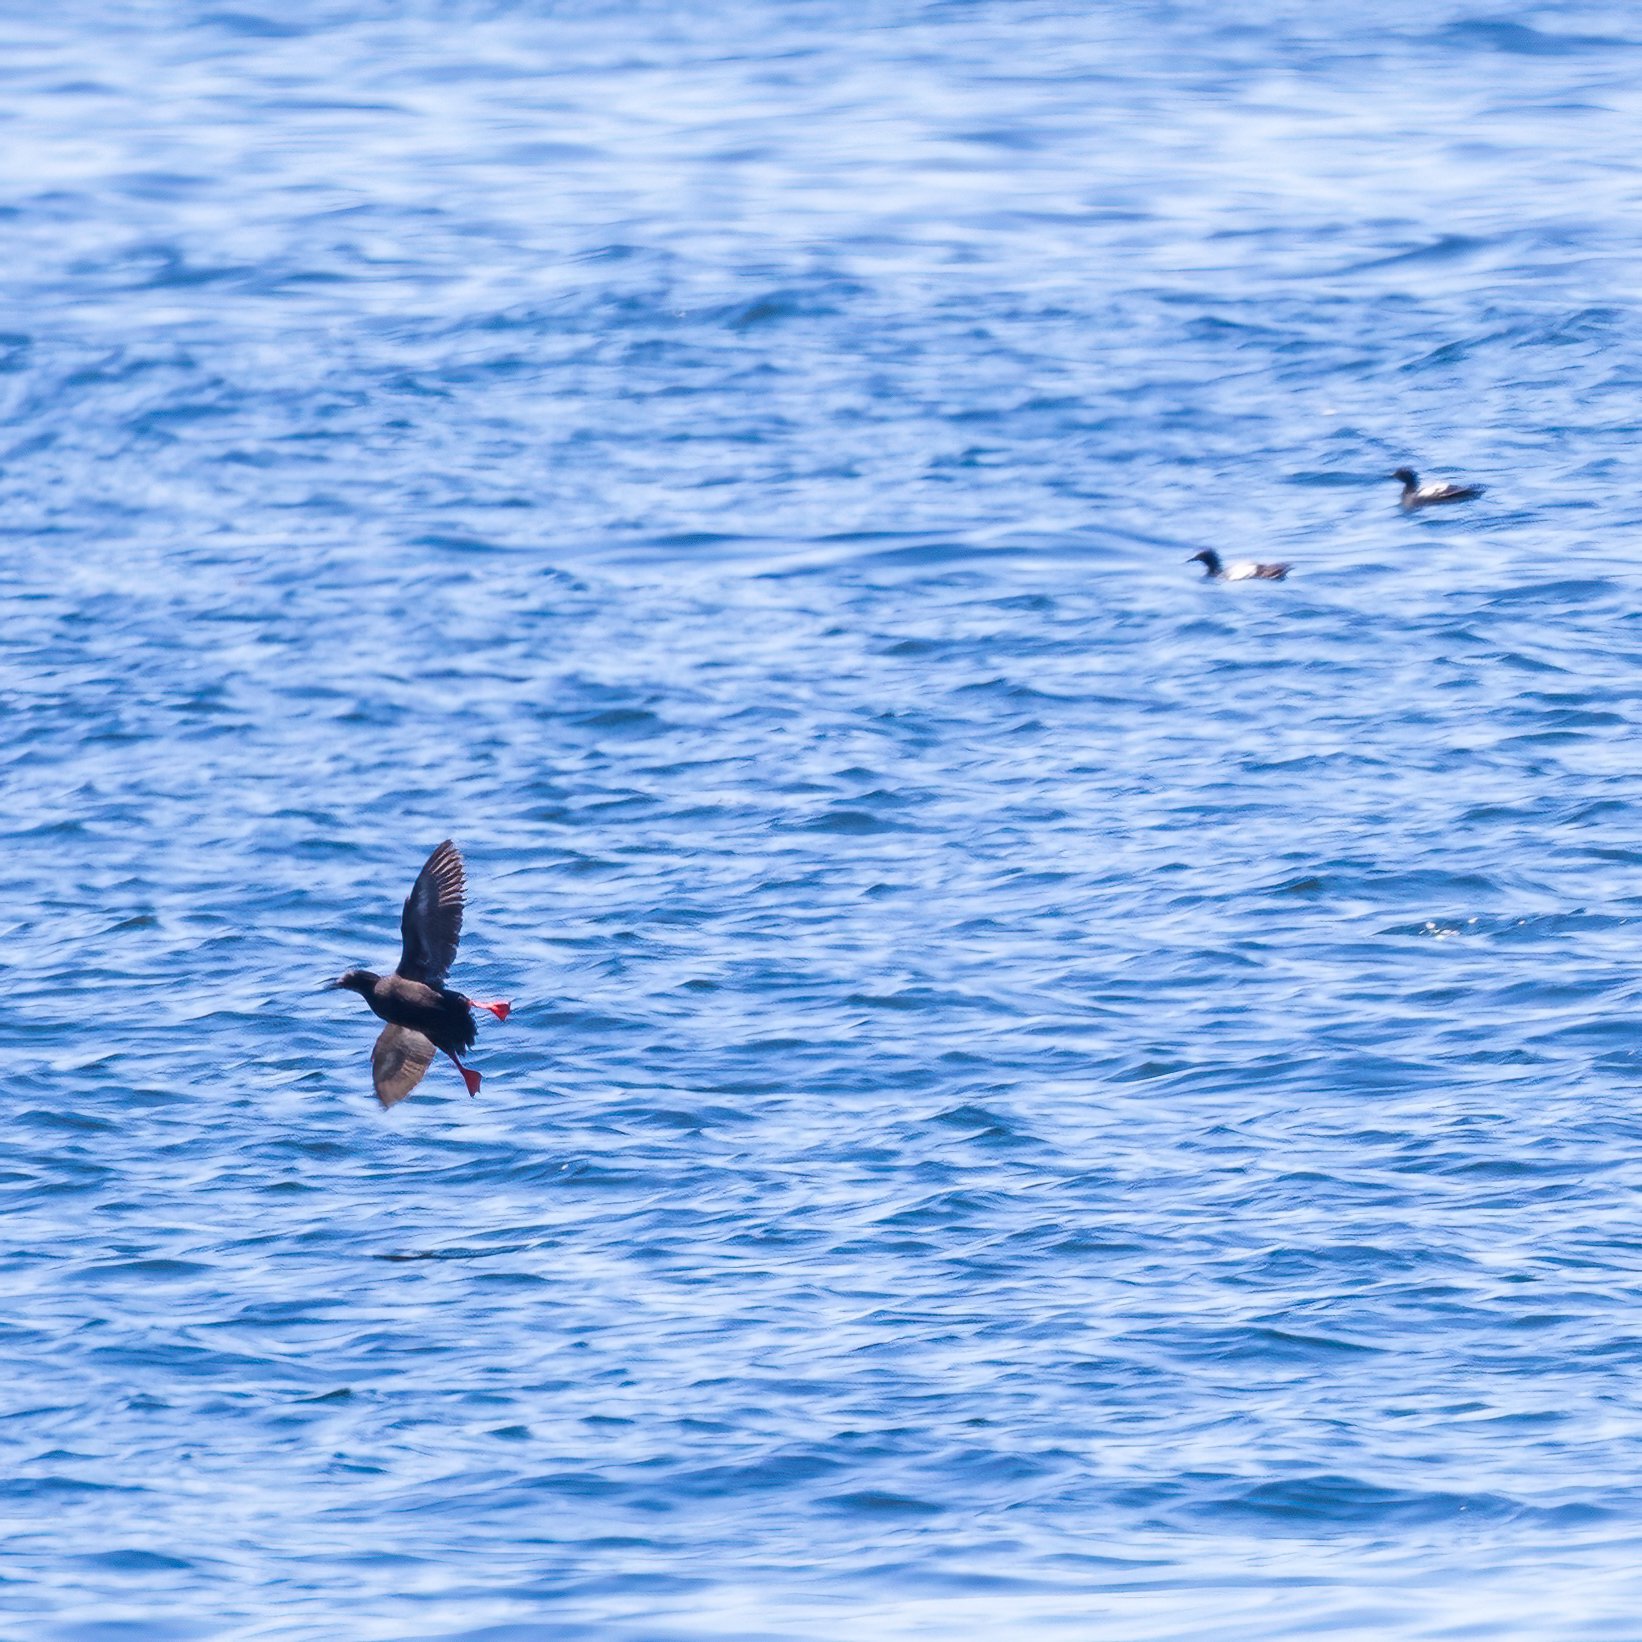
[1415, 495]
[1247, 571]
[423, 1015]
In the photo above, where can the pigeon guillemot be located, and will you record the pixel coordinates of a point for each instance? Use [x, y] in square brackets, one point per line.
[1415, 495]
[1247, 571]
[423, 1014]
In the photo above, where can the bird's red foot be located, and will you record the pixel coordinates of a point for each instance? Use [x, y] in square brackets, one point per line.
[500, 1010]
[470, 1078]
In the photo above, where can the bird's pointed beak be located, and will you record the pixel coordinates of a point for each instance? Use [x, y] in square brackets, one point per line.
[330, 986]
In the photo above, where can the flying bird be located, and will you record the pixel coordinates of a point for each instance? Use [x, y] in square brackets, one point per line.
[1247, 571]
[423, 1014]
[1415, 495]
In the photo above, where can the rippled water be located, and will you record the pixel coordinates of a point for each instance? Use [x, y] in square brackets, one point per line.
[1045, 1096]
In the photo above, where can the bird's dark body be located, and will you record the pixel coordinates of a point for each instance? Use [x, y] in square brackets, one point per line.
[441, 1015]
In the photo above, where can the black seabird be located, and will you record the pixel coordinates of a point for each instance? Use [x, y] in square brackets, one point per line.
[1415, 495]
[423, 1014]
[1246, 571]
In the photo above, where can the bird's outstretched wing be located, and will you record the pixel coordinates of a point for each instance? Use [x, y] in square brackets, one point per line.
[398, 1062]
[432, 920]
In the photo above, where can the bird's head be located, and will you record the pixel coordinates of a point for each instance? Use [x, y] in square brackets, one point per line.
[1407, 475]
[354, 980]
[1209, 559]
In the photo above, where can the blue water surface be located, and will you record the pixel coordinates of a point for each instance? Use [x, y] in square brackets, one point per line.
[1047, 1096]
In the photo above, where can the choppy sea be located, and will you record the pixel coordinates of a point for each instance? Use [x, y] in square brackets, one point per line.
[1047, 1097]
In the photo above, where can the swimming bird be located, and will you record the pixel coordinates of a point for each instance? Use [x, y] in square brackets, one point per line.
[423, 1014]
[1415, 495]
[1247, 571]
